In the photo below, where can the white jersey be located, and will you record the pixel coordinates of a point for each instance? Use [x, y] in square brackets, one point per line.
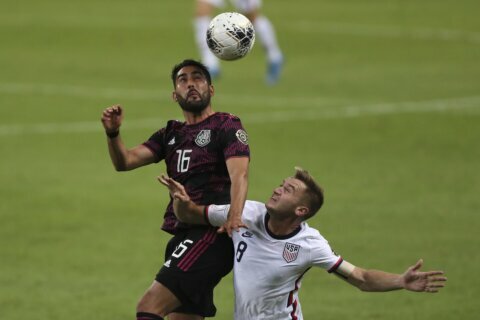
[268, 269]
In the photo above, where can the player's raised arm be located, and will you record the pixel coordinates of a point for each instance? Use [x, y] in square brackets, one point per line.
[184, 208]
[238, 171]
[123, 159]
[375, 280]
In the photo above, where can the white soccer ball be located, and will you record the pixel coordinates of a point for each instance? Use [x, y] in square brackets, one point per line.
[230, 36]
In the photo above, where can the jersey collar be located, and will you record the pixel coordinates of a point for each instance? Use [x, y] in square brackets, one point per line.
[283, 237]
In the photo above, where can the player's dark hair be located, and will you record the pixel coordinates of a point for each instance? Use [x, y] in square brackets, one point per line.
[314, 192]
[190, 62]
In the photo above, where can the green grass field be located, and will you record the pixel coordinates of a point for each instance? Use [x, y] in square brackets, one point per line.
[380, 100]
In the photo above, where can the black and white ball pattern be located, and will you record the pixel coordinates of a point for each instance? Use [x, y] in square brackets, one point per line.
[230, 36]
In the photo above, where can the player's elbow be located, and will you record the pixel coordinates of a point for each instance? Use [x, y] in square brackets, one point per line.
[243, 175]
[364, 288]
[126, 163]
[120, 168]
[359, 280]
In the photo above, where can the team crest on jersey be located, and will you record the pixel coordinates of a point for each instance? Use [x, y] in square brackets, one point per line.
[290, 252]
[242, 136]
[203, 138]
[247, 234]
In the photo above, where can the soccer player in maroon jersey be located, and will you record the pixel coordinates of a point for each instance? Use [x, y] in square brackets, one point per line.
[209, 154]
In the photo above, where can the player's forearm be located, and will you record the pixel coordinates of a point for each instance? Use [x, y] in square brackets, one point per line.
[118, 153]
[238, 194]
[378, 281]
[188, 212]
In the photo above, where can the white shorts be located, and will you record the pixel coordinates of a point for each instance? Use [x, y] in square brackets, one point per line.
[244, 6]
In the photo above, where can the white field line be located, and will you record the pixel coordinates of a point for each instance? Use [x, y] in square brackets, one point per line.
[117, 94]
[84, 92]
[299, 26]
[387, 31]
[464, 104]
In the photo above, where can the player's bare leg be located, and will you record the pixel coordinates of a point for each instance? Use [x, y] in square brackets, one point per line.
[158, 300]
[203, 15]
[266, 35]
[183, 316]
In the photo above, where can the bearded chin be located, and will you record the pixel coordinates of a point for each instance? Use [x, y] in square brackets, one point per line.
[196, 106]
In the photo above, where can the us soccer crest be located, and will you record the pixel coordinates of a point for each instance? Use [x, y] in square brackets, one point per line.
[290, 252]
[203, 138]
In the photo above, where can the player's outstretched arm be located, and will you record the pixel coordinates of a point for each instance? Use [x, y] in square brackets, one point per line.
[412, 279]
[123, 159]
[185, 209]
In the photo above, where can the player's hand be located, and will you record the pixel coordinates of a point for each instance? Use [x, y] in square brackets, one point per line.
[234, 223]
[415, 280]
[112, 118]
[176, 189]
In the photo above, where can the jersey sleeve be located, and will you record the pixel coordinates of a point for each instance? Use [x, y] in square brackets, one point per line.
[217, 215]
[234, 138]
[323, 256]
[156, 144]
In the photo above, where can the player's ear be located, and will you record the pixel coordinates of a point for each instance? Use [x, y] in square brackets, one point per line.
[302, 211]
[212, 90]
[174, 96]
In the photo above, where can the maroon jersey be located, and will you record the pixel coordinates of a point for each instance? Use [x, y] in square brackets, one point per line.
[195, 156]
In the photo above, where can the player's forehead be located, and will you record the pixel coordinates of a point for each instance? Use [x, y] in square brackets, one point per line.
[294, 183]
[190, 70]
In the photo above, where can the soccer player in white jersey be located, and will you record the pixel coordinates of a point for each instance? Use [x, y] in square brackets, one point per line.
[263, 28]
[278, 247]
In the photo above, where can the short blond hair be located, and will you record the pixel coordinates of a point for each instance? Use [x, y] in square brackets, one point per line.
[314, 193]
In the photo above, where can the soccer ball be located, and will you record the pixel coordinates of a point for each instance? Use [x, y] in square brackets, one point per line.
[230, 36]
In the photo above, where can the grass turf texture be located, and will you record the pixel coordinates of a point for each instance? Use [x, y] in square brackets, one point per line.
[380, 100]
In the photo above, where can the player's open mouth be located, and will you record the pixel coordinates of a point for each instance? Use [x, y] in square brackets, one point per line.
[193, 94]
